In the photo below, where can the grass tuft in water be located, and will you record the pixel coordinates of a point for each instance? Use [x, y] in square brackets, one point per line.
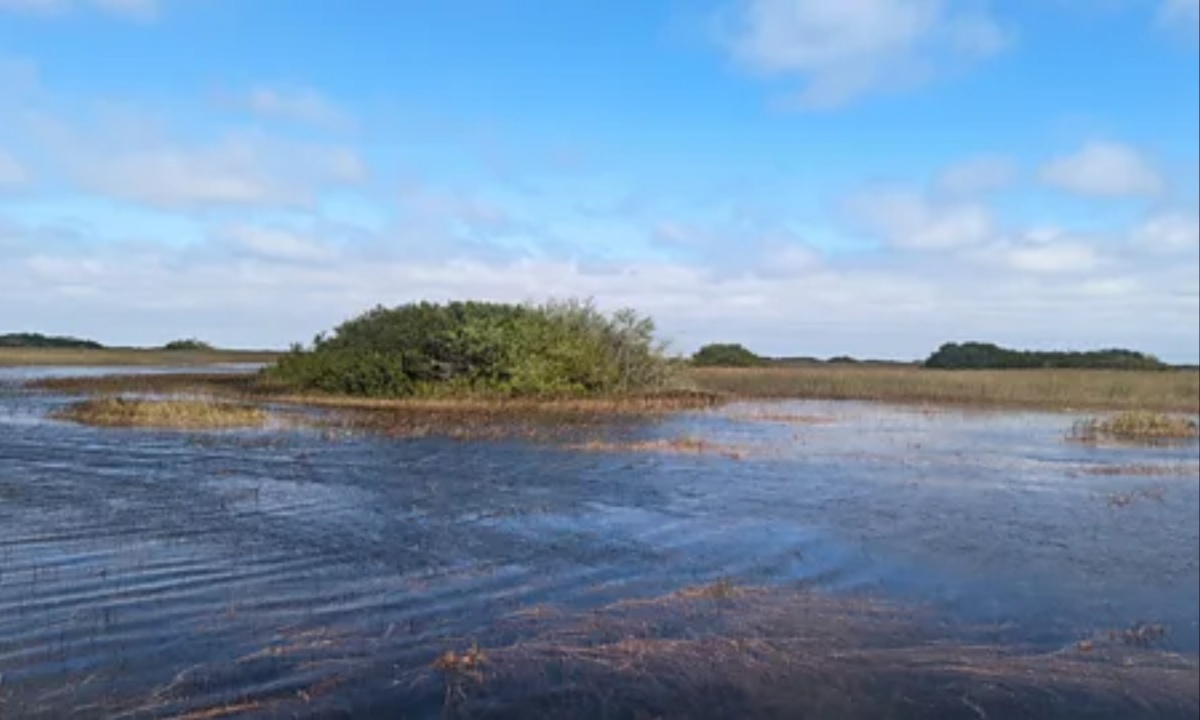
[1135, 426]
[172, 414]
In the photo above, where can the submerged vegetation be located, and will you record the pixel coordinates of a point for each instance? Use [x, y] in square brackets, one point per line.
[170, 414]
[986, 356]
[550, 350]
[1135, 426]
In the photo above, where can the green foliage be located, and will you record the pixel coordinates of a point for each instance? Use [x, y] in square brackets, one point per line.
[37, 340]
[725, 355]
[187, 344]
[558, 348]
[980, 356]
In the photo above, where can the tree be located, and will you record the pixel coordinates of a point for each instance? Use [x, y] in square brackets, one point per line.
[726, 355]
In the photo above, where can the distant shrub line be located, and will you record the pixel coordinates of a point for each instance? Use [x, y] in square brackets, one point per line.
[555, 349]
[986, 356]
[37, 340]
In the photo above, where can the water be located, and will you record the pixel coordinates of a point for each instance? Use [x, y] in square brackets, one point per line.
[130, 558]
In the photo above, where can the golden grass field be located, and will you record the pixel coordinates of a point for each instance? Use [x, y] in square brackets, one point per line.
[82, 357]
[1165, 391]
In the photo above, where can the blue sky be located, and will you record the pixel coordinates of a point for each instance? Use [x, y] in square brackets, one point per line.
[810, 177]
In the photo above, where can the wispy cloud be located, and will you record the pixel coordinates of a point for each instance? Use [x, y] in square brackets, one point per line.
[842, 50]
[908, 219]
[130, 9]
[976, 175]
[1104, 169]
[291, 104]
[12, 173]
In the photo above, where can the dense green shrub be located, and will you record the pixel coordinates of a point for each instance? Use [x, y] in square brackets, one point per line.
[558, 348]
[187, 344]
[37, 340]
[981, 356]
[725, 355]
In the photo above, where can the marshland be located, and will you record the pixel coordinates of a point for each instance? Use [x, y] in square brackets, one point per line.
[535, 513]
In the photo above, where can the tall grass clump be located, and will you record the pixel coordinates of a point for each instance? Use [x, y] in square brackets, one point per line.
[559, 348]
[174, 414]
[1135, 426]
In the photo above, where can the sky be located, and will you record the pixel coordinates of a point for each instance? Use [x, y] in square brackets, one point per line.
[805, 177]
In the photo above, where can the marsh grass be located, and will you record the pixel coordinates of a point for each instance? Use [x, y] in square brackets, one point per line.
[1136, 426]
[1161, 391]
[167, 414]
[85, 357]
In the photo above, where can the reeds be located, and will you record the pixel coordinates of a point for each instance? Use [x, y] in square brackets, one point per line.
[1161, 391]
[86, 357]
[1135, 426]
[167, 414]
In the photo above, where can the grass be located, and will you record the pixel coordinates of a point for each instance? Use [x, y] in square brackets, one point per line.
[1160, 391]
[251, 387]
[84, 357]
[1135, 426]
[171, 414]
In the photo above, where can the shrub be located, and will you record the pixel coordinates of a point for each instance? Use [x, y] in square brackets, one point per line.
[558, 348]
[725, 355]
[980, 356]
[187, 344]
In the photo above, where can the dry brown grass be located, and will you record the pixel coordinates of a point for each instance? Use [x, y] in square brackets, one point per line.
[166, 414]
[83, 357]
[1135, 426]
[1168, 391]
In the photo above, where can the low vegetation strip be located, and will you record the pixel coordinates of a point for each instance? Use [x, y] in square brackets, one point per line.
[1135, 426]
[1176, 391]
[167, 414]
[112, 357]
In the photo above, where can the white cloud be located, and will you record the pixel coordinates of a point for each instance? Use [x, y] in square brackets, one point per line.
[273, 243]
[236, 170]
[1180, 11]
[1057, 254]
[1169, 232]
[977, 175]
[844, 49]
[12, 174]
[1104, 169]
[906, 219]
[294, 104]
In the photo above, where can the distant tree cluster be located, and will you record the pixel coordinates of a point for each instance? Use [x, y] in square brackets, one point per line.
[37, 340]
[726, 355]
[986, 356]
[188, 344]
[558, 348]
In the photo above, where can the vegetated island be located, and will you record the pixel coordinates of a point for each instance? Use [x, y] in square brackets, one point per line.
[567, 355]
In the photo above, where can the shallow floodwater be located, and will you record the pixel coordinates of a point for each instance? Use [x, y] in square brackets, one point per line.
[130, 558]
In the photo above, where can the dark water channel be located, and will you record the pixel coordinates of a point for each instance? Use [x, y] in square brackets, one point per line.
[130, 558]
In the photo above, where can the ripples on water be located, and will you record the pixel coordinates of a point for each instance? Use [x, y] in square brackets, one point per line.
[130, 558]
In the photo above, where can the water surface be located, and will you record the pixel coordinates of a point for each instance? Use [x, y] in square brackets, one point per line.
[128, 557]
